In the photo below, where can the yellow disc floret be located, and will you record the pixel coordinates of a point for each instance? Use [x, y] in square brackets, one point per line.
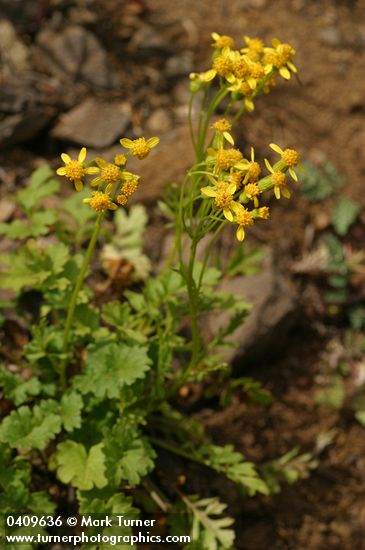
[222, 41]
[243, 216]
[223, 65]
[290, 157]
[223, 199]
[111, 173]
[122, 199]
[140, 147]
[222, 125]
[279, 179]
[130, 187]
[227, 158]
[253, 171]
[74, 170]
[101, 202]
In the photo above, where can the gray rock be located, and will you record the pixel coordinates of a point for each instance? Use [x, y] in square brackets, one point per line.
[159, 122]
[93, 123]
[274, 310]
[27, 104]
[147, 41]
[13, 53]
[331, 36]
[179, 65]
[74, 54]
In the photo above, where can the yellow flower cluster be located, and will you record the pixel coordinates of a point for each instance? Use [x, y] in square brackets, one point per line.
[246, 71]
[112, 180]
[235, 181]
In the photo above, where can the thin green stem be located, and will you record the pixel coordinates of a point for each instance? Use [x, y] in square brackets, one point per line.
[190, 119]
[176, 450]
[73, 301]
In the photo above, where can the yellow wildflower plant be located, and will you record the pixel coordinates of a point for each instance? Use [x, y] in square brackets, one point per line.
[222, 41]
[252, 169]
[251, 192]
[224, 159]
[280, 57]
[222, 193]
[101, 201]
[279, 180]
[109, 173]
[244, 218]
[223, 128]
[290, 157]
[76, 170]
[254, 49]
[140, 147]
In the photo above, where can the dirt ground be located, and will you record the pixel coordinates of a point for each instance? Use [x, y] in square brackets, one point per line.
[151, 46]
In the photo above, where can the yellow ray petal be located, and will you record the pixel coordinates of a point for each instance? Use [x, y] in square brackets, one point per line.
[78, 185]
[82, 155]
[153, 141]
[277, 192]
[240, 234]
[92, 170]
[127, 143]
[293, 174]
[209, 191]
[66, 158]
[228, 214]
[285, 73]
[268, 166]
[276, 148]
[61, 171]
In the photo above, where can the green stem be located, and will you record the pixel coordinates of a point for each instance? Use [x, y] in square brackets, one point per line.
[176, 450]
[73, 301]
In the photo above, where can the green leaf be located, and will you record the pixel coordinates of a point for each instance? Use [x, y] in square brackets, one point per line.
[38, 224]
[40, 503]
[111, 367]
[127, 243]
[234, 465]
[129, 455]
[32, 266]
[71, 406]
[17, 389]
[42, 185]
[344, 214]
[318, 183]
[15, 477]
[212, 531]
[84, 470]
[28, 428]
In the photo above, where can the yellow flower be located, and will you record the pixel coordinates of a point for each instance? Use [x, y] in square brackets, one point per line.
[222, 41]
[279, 180]
[122, 199]
[263, 212]
[289, 156]
[225, 159]
[223, 197]
[244, 219]
[280, 57]
[255, 48]
[252, 169]
[223, 126]
[75, 170]
[120, 160]
[223, 64]
[130, 186]
[100, 201]
[252, 192]
[140, 147]
[109, 173]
